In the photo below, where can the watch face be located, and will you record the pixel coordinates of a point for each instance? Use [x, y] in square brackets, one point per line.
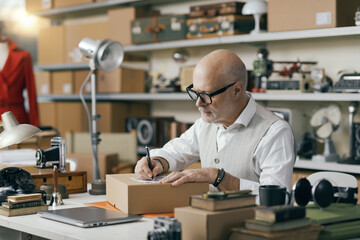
[317, 74]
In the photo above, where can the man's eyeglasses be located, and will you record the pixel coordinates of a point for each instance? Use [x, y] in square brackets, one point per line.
[205, 97]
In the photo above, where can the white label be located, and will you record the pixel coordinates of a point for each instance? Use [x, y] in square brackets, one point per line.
[323, 18]
[46, 4]
[45, 89]
[67, 89]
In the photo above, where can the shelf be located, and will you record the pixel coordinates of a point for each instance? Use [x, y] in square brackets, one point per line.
[346, 97]
[327, 166]
[98, 7]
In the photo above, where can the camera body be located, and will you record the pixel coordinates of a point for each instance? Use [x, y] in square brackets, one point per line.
[53, 156]
[165, 228]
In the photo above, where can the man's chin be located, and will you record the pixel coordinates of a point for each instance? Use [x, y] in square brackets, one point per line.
[207, 117]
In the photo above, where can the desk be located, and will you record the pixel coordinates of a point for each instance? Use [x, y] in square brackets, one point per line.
[20, 227]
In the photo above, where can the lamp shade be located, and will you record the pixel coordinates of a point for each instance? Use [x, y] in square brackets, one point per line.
[255, 7]
[13, 131]
[107, 54]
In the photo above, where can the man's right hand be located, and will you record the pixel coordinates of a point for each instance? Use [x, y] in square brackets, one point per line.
[143, 171]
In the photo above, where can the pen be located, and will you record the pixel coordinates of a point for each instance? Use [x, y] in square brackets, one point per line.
[149, 159]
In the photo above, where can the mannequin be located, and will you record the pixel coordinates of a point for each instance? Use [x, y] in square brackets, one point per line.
[16, 74]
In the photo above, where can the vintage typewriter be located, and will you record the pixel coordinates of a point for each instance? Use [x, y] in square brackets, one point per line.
[349, 82]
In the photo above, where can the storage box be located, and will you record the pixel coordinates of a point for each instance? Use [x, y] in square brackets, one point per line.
[62, 82]
[201, 224]
[47, 114]
[79, 78]
[38, 5]
[68, 3]
[120, 22]
[71, 116]
[163, 28]
[122, 80]
[124, 144]
[212, 10]
[84, 162]
[51, 45]
[43, 82]
[76, 32]
[41, 140]
[288, 15]
[131, 196]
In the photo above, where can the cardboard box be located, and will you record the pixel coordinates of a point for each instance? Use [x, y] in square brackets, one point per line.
[136, 197]
[122, 80]
[79, 78]
[120, 22]
[41, 140]
[62, 82]
[288, 15]
[38, 5]
[84, 162]
[201, 224]
[43, 82]
[71, 116]
[51, 45]
[124, 144]
[68, 3]
[76, 32]
[47, 113]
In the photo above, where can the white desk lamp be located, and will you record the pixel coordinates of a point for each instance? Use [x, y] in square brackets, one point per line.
[108, 56]
[14, 132]
[256, 8]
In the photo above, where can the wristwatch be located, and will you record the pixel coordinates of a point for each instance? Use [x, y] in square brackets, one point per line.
[220, 176]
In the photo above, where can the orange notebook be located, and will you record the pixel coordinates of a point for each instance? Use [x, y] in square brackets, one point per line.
[107, 205]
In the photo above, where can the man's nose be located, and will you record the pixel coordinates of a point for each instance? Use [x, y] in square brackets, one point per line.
[200, 103]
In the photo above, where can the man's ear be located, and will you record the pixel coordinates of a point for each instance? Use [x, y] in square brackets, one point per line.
[238, 87]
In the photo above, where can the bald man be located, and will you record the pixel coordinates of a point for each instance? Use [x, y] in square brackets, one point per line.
[240, 144]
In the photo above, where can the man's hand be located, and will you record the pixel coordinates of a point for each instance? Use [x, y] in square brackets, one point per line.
[143, 171]
[191, 175]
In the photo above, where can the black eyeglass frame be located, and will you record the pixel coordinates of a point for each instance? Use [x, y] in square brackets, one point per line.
[210, 95]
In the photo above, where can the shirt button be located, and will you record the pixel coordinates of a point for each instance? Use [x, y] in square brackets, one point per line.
[217, 160]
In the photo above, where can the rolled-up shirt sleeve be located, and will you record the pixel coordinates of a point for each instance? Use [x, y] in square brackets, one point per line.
[182, 151]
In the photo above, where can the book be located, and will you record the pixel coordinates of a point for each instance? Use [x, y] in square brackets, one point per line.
[275, 227]
[342, 230]
[22, 204]
[310, 232]
[24, 197]
[279, 213]
[216, 204]
[336, 212]
[22, 211]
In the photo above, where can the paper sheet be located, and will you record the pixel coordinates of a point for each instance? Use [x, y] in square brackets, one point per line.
[148, 181]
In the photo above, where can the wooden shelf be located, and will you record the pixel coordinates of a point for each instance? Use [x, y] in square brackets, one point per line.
[301, 97]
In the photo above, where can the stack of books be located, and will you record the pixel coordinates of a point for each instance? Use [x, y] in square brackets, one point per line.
[22, 205]
[223, 200]
[278, 222]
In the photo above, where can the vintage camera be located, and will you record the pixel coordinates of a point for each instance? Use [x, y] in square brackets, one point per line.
[165, 228]
[53, 156]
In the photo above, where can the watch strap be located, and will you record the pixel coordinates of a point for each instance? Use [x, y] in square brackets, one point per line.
[220, 176]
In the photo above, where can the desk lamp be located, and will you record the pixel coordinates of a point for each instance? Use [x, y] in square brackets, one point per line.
[256, 8]
[106, 55]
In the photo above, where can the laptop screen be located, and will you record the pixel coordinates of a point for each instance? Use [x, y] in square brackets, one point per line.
[88, 216]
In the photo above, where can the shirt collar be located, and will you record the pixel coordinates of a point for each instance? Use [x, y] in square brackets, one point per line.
[245, 116]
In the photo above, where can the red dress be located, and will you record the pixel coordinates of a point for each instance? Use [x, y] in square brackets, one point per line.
[17, 74]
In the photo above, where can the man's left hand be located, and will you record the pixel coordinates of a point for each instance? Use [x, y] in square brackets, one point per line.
[191, 175]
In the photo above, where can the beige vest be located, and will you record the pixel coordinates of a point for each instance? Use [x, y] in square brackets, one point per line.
[237, 156]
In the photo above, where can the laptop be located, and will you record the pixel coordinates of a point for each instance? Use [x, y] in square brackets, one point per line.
[88, 216]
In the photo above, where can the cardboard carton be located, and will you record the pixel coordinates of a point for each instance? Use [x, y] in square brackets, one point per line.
[288, 15]
[136, 197]
[124, 144]
[201, 224]
[71, 116]
[122, 80]
[62, 82]
[120, 22]
[84, 162]
[51, 45]
[47, 113]
[43, 82]
[79, 78]
[41, 140]
[68, 3]
[38, 5]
